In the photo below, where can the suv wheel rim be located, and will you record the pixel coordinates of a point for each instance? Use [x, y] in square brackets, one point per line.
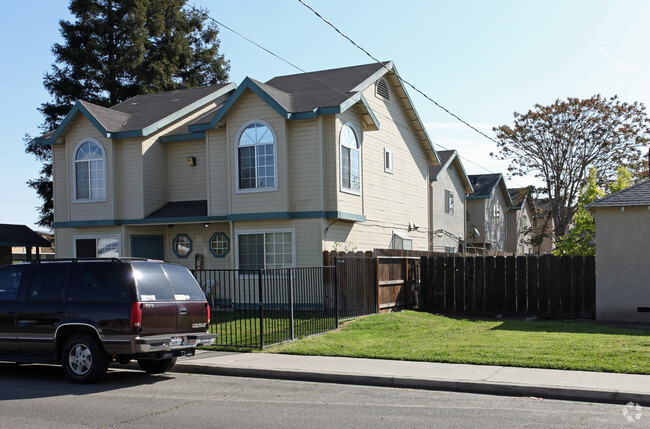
[80, 359]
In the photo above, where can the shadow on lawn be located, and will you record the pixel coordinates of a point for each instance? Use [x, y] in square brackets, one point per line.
[573, 327]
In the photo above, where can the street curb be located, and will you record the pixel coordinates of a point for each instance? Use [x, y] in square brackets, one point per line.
[483, 387]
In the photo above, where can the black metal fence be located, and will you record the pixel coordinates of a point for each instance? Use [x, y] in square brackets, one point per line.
[258, 308]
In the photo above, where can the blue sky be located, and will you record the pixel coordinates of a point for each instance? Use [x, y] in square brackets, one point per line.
[483, 60]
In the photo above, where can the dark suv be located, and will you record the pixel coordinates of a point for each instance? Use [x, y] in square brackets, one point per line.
[85, 313]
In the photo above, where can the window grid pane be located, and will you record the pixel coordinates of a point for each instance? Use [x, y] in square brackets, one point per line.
[257, 158]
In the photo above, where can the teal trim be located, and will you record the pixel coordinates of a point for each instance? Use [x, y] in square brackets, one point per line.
[480, 197]
[183, 137]
[317, 214]
[215, 235]
[174, 246]
[78, 108]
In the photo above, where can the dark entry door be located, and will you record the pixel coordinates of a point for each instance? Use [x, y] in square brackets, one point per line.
[148, 246]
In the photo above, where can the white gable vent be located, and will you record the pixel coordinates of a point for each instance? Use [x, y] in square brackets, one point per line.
[382, 89]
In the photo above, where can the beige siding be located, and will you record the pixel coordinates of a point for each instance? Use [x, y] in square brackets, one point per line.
[250, 107]
[187, 183]
[130, 179]
[306, 166]
[61, 187]
[219, 176]
[454, 224]
[156, 181]
[81, 128]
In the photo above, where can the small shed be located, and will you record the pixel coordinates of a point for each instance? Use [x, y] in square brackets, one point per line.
[622, 249]
[18, 236]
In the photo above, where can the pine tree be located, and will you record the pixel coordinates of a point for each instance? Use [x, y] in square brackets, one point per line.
[116, 49]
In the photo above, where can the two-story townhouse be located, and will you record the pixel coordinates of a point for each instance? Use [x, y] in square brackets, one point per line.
[486, 212]
[520, 221]
[450, 185]
[256, 175]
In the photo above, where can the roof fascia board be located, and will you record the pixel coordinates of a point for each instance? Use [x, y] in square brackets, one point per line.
[185, 111]
[247, 83]
[504, 189]
[372, 78]
[359, 98]
[78, 108]
[468, 184]
[199, 135]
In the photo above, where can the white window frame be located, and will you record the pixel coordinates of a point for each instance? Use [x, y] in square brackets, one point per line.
[240, 232]
[404, 237]
[357, 135]
[449, 202]
[389, 160]
[98, 237]
[496, 211]
[104, 198]
[239, 190]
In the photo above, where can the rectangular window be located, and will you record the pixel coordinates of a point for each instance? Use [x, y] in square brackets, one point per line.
[449, 202]
[47, 283]
[401, 241]
[97, 247]
[265, 250]
[450, 249]
[388, 160]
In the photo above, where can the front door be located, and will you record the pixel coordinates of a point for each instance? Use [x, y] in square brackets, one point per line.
[148, 246]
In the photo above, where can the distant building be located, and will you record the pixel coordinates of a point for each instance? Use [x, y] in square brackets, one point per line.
[20, 237]
[486, 208]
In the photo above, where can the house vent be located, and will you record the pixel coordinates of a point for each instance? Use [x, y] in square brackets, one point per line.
[382, 89]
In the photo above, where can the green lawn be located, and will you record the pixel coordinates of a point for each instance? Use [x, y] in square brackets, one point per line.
[417, 336]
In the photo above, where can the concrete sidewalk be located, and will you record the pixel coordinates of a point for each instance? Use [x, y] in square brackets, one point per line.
[545, 383]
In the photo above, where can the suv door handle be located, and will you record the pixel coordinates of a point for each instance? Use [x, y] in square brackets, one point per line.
[183, 310]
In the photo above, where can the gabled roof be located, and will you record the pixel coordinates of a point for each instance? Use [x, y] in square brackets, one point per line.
[309, 95]
[447, 158]
[635, 195]
[141, 115]
[485, 184]
[518, 196]
[20, 236]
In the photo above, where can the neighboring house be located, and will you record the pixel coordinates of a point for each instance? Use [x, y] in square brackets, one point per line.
[486, 212]
[249, 176]
[520, 221]
[622, 249]
[449, 187]
[20, 236]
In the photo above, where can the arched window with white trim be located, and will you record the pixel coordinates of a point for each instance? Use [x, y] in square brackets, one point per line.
[350, 160]
[256, 157]
[90, 171]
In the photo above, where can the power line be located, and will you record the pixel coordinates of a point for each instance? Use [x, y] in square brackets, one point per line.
[400, 78]
[338, 90]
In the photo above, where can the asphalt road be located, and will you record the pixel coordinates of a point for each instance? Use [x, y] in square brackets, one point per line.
[39, 396]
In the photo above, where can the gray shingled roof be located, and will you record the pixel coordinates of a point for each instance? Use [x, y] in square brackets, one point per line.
[518, 196]
[309, 91]
[484, 185]
[20, 236]
[179, 209]
[635, 195]
[444, 156]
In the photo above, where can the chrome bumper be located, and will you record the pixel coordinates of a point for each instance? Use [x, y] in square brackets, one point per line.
[169, 343]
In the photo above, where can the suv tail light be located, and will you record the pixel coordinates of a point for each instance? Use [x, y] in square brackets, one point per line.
[136, 315]
[208, 307]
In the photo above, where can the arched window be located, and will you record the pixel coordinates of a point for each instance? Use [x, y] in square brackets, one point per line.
[350, 160]
[256, 148]
[90, 171]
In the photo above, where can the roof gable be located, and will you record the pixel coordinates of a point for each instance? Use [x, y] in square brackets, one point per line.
[485, 184]
[141, 115]
[20, 236]
[447, 158]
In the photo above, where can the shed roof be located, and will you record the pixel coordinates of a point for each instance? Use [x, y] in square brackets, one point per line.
[635, 195]
[20, 236]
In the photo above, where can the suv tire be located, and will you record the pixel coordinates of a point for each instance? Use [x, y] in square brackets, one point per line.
[156, 366]
[83, 359]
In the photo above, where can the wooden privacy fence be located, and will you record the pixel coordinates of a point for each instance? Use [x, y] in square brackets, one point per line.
[545, 286]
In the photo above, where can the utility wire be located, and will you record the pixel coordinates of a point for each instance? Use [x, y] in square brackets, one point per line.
[338, 90]
[400, 78]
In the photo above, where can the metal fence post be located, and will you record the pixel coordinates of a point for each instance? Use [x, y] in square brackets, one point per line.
[336, 293]
[261, 300]
[291, 318]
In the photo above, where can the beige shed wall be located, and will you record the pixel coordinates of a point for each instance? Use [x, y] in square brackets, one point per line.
[622, 269]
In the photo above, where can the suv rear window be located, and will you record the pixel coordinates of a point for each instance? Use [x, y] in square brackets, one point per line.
[151, 282]
[100, 281]
[183, 283]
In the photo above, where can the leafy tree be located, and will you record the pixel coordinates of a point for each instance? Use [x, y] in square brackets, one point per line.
[561, 142]
[116, 49]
